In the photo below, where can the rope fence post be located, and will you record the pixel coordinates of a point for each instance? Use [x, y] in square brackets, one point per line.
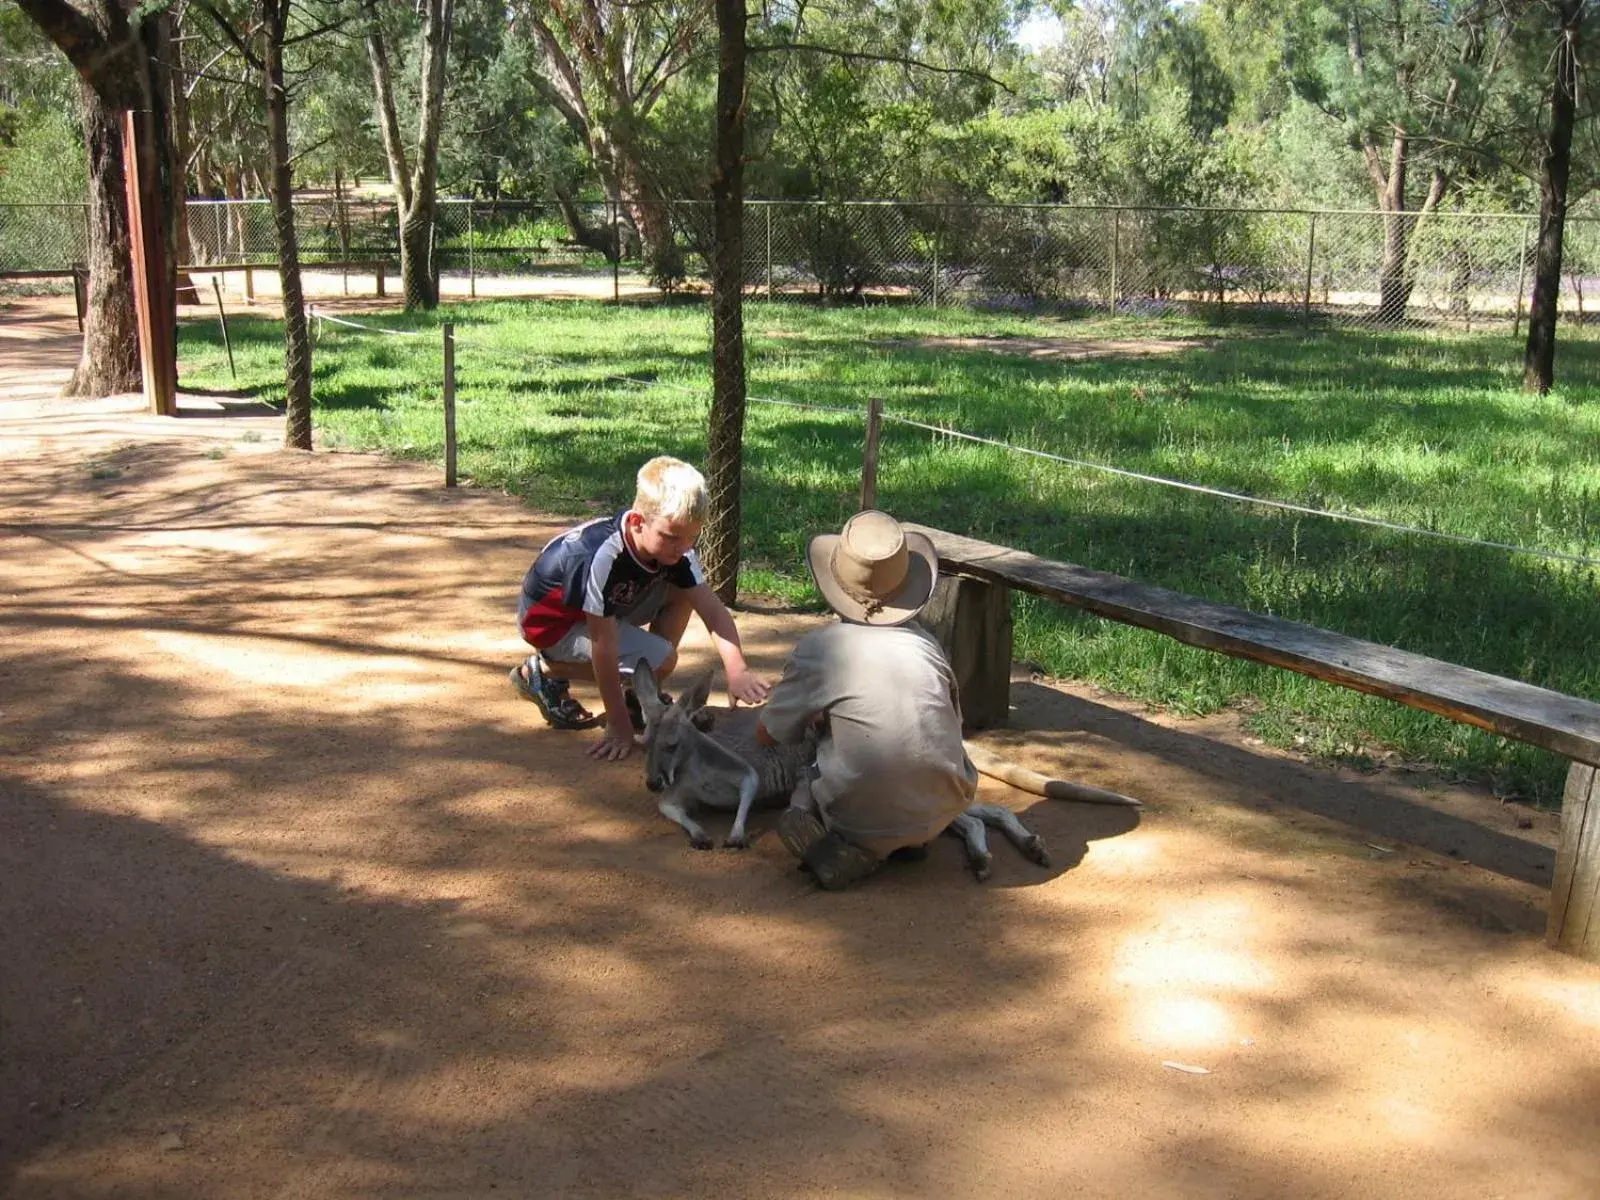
[222, 318]
[869, 458]
[449, 404]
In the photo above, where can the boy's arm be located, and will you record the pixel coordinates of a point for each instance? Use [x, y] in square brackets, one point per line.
[743, 683]
[618, 740]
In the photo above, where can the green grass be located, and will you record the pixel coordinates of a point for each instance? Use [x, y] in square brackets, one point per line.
[1428, 429]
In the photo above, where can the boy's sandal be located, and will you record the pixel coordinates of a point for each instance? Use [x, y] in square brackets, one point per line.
[555, 702]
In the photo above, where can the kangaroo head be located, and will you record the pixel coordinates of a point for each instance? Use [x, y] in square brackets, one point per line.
[669, 729]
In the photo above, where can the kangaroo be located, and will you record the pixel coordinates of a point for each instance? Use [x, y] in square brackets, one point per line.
[688, 767]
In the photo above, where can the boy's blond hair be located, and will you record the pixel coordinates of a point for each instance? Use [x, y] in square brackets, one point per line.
[672, 489]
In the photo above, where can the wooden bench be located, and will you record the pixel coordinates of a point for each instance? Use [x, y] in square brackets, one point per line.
[374, 267]
[971, 615]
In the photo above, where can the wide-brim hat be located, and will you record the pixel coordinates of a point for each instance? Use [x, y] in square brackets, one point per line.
[873, 571]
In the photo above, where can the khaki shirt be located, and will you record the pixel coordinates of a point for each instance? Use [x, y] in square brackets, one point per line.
[891, 768]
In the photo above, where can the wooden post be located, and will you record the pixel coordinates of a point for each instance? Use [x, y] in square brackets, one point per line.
[449, 405]
[869, 459]
[1574, 924]
[249, 286]
[1311, 255]
[380, 266]
[972, 621]
[80, 293]
[155, 302]
[222, 317]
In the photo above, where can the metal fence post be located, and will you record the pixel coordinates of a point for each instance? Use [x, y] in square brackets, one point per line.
[937, 226]
[1116, 251]
[449, 405]
[613, 215]
[1311, 254]
[1522, 282]
[472, 268]
[768, 207]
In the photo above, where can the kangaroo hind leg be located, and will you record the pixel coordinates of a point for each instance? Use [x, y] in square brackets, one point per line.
[969, 828]
[998, 816]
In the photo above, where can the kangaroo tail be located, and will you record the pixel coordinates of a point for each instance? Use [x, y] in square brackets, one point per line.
[1007, 771]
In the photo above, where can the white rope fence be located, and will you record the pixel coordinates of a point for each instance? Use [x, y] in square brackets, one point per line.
[875, 412]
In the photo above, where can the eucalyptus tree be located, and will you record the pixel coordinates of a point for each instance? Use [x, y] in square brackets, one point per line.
[415, 176]
[1563, 111]
[1408, 80]
[284, 44]
[604, 65]
[119, 59]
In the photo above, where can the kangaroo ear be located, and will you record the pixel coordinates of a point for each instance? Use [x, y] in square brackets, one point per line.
[697, 693]
[644, 687]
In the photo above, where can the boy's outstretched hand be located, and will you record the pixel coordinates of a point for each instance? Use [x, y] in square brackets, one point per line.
[747, 687]
[616, 744]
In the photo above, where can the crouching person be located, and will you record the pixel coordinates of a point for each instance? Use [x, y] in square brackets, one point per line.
[891, 772]
[618, 589]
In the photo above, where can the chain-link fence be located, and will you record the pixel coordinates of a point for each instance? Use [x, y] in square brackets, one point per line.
[43, 237]
[1371, 269]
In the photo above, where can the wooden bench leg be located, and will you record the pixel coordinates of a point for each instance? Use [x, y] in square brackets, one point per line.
[1574, 925]
[972, 620]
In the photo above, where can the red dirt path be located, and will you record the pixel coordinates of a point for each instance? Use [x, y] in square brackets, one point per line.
[299, 901]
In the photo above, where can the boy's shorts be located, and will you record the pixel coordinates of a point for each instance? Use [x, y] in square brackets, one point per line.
[633, 640]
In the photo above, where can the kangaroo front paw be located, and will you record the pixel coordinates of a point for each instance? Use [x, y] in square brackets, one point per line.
[737, 841]
[701, 841]
[980, 864]
[1034, 848]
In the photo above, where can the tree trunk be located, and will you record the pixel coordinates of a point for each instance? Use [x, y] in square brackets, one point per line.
[417, 275]
[297, 340]
[1539, 361]
[602, 238]
[1394, 281]
[725, 436]
[179, 144]
[416, 194]
[109, 362]
[643, 201]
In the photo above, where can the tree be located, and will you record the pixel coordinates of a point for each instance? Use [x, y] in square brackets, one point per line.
[1408, 80]
[261, 35]
[416, 185]
[725, 435]
[605, 65]
[1555, 169]
[115, 60]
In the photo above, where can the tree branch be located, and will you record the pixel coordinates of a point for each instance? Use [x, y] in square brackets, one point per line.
[865, 56]
[228, 31]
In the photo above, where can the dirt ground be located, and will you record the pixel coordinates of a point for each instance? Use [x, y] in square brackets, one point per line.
[299, 901]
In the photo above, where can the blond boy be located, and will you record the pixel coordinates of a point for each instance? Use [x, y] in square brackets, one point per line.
[614, 590]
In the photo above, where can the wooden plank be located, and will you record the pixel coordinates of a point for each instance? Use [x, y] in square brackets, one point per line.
[65, 273]
[1567, 725]
[972, 620]
[1575, 890]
